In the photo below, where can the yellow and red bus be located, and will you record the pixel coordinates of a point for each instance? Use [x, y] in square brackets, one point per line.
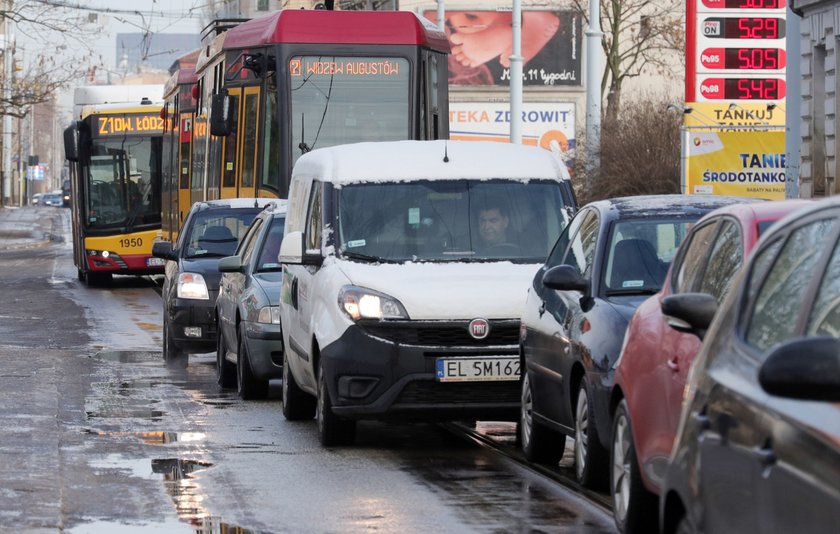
[269, 89]
[114, 150]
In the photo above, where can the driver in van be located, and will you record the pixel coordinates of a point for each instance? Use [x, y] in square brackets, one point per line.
[493, 223]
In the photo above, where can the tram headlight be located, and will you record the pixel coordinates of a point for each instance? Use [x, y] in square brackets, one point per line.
[269, 315]
[192, 286]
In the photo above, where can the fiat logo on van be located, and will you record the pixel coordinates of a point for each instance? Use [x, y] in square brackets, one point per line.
[479, 328]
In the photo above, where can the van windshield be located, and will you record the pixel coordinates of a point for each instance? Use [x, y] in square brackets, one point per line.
[451, 220]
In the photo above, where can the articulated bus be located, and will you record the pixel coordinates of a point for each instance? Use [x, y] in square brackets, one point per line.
[114, 150]
[272, 88]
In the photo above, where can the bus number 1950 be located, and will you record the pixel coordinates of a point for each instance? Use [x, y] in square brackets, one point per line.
[131, 242]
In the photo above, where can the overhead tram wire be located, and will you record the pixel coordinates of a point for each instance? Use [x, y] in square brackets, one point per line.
[190, 13]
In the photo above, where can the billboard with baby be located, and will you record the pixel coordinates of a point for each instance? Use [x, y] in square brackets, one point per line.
[482, 43]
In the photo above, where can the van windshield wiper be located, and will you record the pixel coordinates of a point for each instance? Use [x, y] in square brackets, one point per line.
[365, 257]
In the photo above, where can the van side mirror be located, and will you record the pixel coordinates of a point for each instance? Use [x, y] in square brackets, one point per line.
[230, 264]
[221, 115]
[292, 252]
[71, 142]
[163, 249]
[291, 248]
[804, 368]
[689, 312]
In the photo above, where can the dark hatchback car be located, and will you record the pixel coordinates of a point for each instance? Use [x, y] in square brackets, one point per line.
[613, 255]
[250, 342]
[211, 230]
[758, 445]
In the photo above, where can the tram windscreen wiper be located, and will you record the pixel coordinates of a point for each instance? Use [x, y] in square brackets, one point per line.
[304, 148]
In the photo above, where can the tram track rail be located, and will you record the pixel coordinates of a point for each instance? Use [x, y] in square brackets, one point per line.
[555, 474]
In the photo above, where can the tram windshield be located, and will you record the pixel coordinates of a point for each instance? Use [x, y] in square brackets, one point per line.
[122, 186]
[339, 100]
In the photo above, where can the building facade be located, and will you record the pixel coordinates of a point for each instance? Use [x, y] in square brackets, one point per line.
[820, 145]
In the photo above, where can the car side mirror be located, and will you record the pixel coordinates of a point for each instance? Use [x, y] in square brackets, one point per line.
[804, 368]
[691, 313]
[221, 115]
[230, 264]
[565, 278]
[163, 249]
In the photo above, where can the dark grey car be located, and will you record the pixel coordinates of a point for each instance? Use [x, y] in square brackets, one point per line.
[250, 341]
[758, 446]
[211, 231]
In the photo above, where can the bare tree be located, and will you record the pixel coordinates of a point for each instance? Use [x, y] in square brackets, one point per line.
[639, 36]
[370, 5]
[61, 56]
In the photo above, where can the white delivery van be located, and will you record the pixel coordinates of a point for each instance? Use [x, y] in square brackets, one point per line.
[406, 266]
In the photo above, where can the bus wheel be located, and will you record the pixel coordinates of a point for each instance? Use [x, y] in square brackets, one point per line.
[81, 275]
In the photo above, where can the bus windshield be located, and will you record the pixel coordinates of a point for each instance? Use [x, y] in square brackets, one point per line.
[122, 183]
[339, 100]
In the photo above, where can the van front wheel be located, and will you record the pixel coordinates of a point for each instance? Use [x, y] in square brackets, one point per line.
[332, 429]
[297, 404]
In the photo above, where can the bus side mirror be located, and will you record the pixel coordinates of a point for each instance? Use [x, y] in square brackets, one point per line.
[221, 115]
[71, 143]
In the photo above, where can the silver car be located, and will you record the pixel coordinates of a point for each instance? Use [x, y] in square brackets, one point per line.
[250, 342]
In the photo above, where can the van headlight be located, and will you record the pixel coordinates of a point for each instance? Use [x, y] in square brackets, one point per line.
[361, 303]
[269, 315]
[192, 286]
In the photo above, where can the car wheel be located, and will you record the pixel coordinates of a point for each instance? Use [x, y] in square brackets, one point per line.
[173, 357]
[590, 457]
[634, 507]
[332, 430]
[539, 444]
[248, 386]
[225, 371]
[297, 404]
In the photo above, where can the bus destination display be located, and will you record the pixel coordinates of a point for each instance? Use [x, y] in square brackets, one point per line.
[128, 123]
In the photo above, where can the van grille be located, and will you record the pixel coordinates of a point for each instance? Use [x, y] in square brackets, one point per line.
[440, 393]
[442, 333]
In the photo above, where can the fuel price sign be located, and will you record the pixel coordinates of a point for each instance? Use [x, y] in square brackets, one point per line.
[739, 51]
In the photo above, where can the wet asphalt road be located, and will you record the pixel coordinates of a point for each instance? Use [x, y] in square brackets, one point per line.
[98, 436]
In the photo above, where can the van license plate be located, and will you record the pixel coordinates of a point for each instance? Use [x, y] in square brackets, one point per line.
[477, 369]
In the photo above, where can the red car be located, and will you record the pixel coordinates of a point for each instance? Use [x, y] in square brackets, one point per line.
[652, 371]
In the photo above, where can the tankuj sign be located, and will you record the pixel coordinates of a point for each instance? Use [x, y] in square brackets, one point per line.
[740, 163]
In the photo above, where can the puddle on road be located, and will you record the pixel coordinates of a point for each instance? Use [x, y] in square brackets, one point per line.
[129, 356]
[152, 437]
[182, 488]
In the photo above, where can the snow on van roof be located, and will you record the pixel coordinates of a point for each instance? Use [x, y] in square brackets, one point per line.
[396, 161]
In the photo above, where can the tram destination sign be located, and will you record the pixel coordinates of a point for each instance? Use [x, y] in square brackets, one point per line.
[128, 124]
[347, 67]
